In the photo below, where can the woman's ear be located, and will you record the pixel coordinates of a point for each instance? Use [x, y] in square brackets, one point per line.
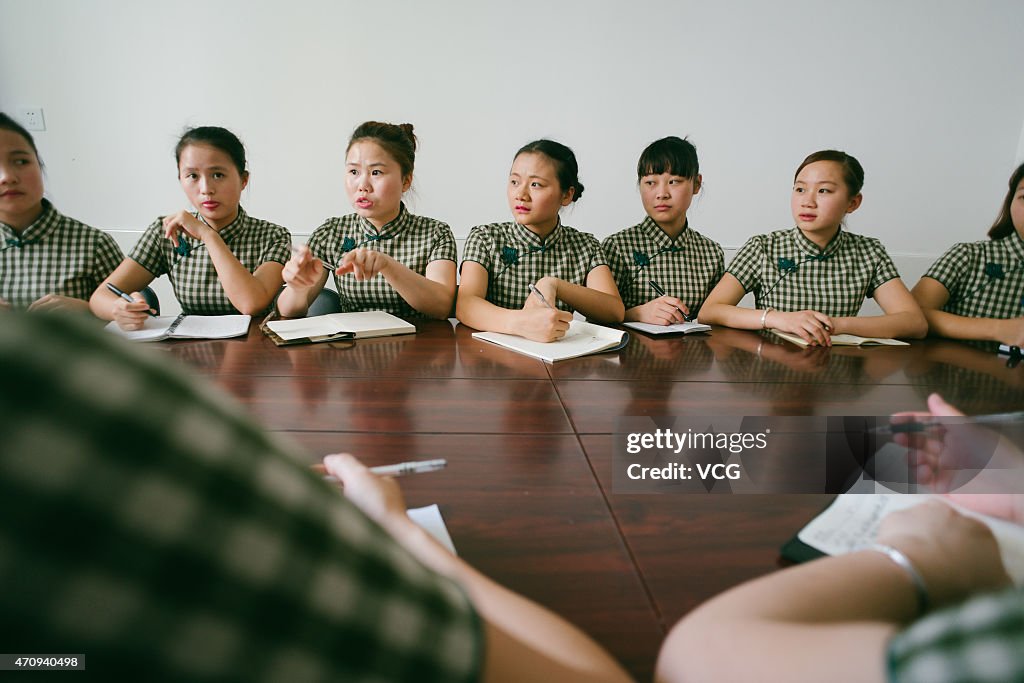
[245, 179]
[567, 197]
[855, 203]
[697, 181]
[406, 183]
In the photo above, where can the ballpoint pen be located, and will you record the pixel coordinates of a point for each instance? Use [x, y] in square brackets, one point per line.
[128, 298]
[327, 266]
[661, 292]
[398, 470]
[932, 422]
[534, 290]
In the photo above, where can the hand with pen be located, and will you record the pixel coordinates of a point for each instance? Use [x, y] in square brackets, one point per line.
[129, 311]
[954, 454]
[539, 320]
[665, 310]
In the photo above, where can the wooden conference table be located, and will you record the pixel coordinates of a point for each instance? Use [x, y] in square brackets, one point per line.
[527, 494]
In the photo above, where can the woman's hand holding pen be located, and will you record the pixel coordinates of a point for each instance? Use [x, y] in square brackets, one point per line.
[131, 315]
[665, 310]
[183, 221]
[303, 270]
[811, 326]
[363, 263]
[539, 320]
[380, 498]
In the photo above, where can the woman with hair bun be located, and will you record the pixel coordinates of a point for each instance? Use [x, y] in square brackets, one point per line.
[566, 266]
[384, 258]
[219, 259]
[811, 280]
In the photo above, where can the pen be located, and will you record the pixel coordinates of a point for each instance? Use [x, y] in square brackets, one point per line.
[930, 423]
[398, 470]
[534, 290]
[661, 292]
[127, 298]
[327, 266]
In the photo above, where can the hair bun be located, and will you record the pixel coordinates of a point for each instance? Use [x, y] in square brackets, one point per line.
[407, 129]
[578, 192]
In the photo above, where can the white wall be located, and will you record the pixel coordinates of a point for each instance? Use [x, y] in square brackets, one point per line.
[922, 92]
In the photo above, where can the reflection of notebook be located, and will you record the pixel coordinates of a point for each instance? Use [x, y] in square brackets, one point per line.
[187, 327]
[851, 523]
[582, 339]
[336, 327]
[846, 340]
[677, 328]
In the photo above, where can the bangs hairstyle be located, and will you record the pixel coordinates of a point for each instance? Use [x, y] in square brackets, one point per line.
[670, 155]
[1003, 226]
[7, 123]
[853, 172]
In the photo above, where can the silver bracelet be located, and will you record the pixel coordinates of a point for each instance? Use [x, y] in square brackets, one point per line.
[904, 562]
[764, 317]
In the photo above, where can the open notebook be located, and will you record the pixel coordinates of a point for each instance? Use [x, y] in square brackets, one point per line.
[187, 327]
[677, 328]
[336, 327]
[851, 523]
[845, 340]
[582, 339]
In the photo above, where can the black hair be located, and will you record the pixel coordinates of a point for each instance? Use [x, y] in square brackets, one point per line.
[853, 172]
[7, 123]
[566, 168]
[397, 140]
[669, 155]
[216, 137]
[1004, 224]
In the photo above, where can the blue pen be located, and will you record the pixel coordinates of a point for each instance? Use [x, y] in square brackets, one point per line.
[661, 292]
[127, 298]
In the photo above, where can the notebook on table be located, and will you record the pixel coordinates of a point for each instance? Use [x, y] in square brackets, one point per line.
[851, 523]
[582, 339]
[845, 340]
[186, 327]
[676, 328]
[336, 327]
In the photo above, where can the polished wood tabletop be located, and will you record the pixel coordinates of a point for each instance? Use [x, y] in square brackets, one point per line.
[527, 494]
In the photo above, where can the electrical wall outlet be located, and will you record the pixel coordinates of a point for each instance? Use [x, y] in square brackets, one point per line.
[32, 118]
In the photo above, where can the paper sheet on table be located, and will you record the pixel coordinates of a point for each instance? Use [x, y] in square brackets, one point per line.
[430, 520]
[851, 522]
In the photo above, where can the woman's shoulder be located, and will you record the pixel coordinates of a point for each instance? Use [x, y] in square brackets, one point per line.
[427, 223]
[267, 226]
[580, 236]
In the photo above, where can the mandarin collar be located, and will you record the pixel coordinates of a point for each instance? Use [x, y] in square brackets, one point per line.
[391, 228]
[37, 231]
[234, 227]
[1016, 244]
[806, 245]
[532, 238]
[651, 228]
